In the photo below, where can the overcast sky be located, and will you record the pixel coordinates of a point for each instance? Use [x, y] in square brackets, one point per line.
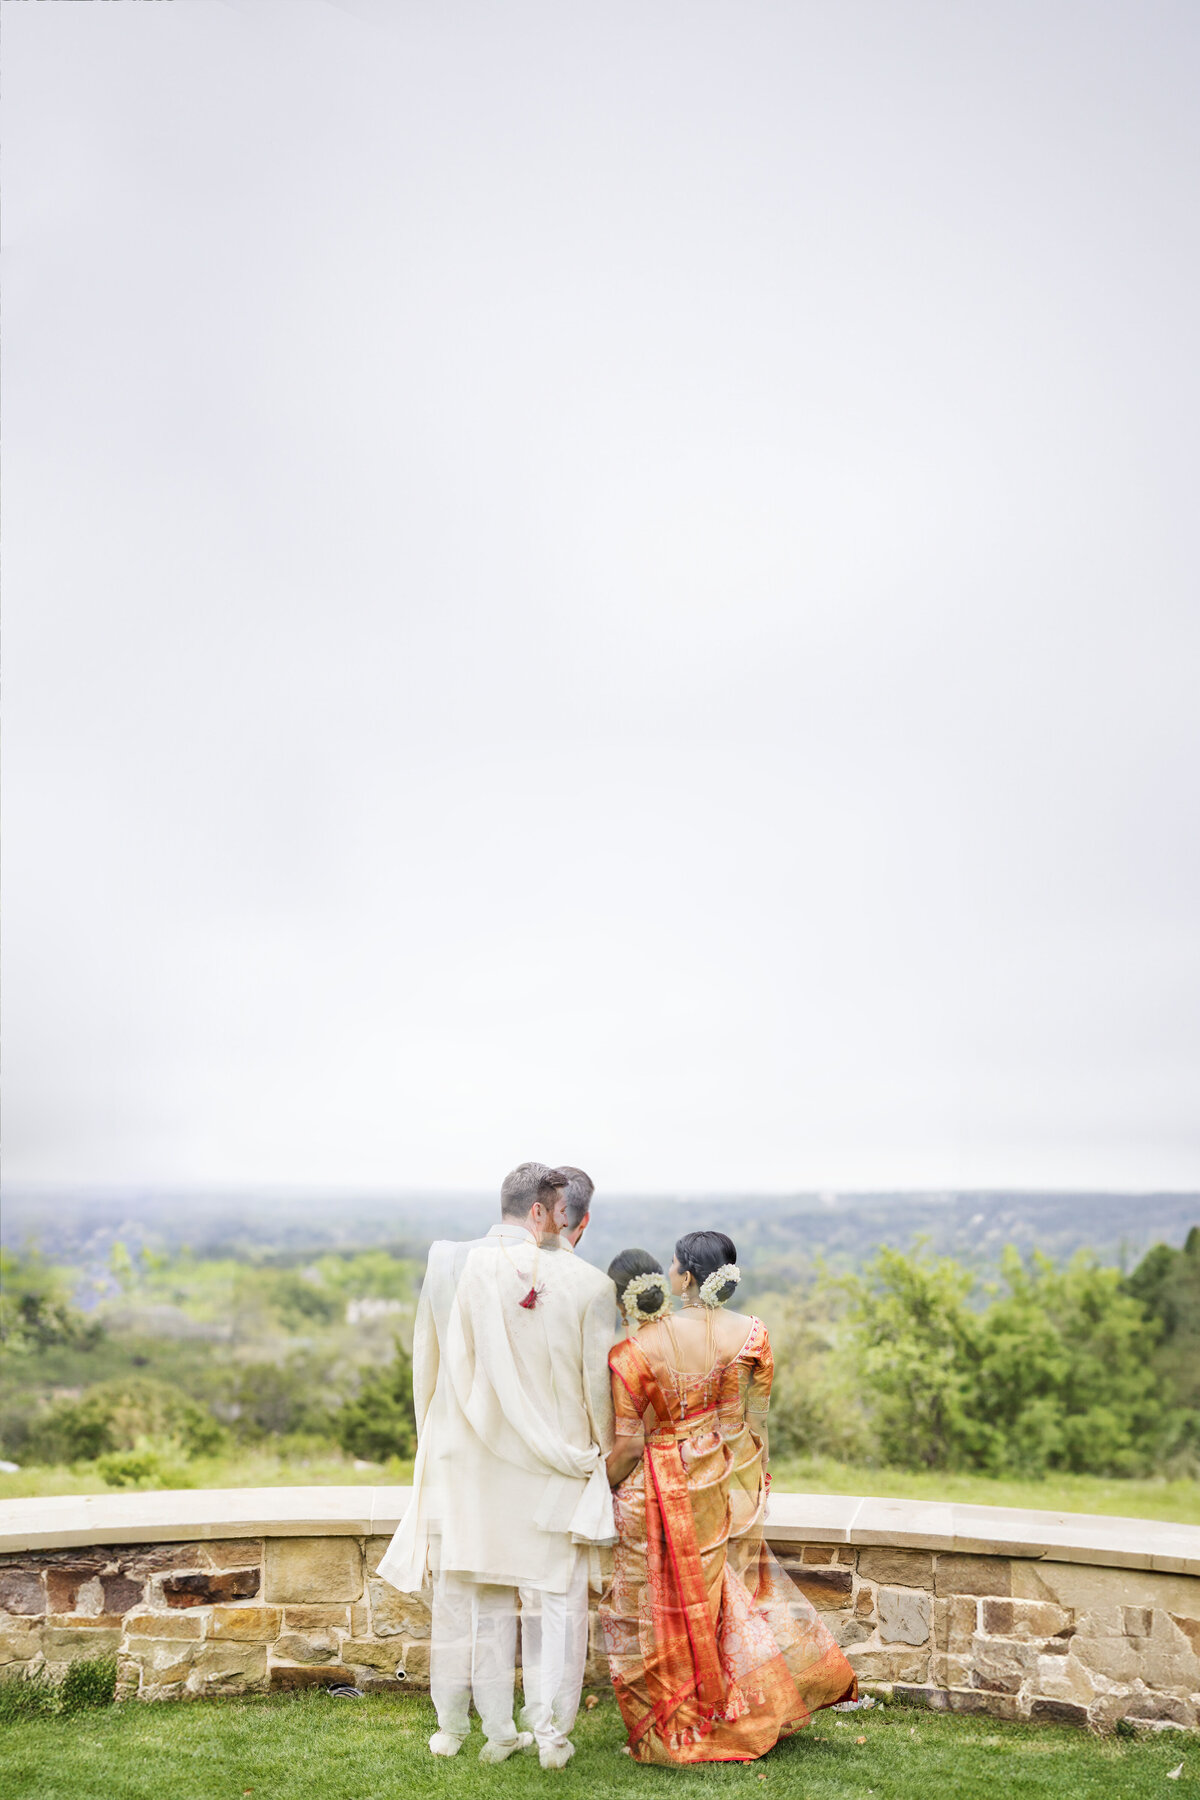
[615, 583]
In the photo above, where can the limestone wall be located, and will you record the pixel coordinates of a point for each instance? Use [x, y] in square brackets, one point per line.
[1087, 1633]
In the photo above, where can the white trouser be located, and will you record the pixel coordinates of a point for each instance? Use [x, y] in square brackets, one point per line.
[554, 1641]
[474, 1651]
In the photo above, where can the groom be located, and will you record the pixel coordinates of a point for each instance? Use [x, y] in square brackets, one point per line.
[510, 1497]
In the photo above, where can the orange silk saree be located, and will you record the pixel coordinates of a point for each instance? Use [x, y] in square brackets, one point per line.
[715, 1654]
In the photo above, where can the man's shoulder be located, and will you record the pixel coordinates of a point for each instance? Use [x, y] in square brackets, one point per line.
[584, 1277]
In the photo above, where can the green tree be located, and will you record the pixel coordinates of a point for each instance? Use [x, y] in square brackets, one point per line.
[123, 1415]
[380, 1421]
[1054, 1370]
[915, 1341]
[35, 1308]
[1167, 1283]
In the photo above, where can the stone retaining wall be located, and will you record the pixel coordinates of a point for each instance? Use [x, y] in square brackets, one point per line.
[1013, 1636]
[1020, 1615]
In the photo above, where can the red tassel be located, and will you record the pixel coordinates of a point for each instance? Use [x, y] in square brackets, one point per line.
[532, 1297]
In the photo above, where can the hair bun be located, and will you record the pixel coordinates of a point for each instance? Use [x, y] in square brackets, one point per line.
[719, 1288]
[646, 1295]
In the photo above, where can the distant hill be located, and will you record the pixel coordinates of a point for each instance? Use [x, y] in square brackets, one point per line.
[778, 1238]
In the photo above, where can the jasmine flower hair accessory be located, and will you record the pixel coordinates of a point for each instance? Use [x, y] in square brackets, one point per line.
[717, 1289]
[646, 1296]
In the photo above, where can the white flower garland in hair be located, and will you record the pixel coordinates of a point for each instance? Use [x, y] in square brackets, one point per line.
[645, 1284]
[712, 1284]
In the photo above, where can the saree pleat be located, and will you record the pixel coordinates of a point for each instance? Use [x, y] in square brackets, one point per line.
[715, 1654]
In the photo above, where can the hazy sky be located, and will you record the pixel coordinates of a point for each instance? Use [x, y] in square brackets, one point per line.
[606, 582]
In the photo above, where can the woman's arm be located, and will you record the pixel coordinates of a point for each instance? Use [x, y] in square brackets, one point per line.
[629, 1439]
[625, 1454]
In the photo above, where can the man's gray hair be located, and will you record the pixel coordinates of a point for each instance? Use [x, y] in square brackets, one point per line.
[528, 1183]
[580, 1188]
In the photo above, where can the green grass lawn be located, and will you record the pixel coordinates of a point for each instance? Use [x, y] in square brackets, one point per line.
[1148, 1499]
[309, 1747]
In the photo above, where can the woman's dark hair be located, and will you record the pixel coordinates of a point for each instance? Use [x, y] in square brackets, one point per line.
[698, 1253]
[630, 1263]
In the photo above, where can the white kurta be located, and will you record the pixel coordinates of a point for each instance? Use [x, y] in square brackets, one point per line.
[514, 1417]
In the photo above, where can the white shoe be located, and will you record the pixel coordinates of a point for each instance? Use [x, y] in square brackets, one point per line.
[445, 1743]
[556, 1756]
[498, 1753]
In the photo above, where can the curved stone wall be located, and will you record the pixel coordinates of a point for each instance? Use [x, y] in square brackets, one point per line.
[973, 1609]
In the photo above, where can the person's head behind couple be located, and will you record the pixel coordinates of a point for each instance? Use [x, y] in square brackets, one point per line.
[549, 1203]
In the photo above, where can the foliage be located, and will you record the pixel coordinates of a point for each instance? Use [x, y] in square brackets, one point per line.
[280, 1399]
[123, 1415]
[1167, 1283]
[1054, 1373]
[146, 1467]
[380, 1422]
[87, 1684]
[36, 1309]
[815, 1410]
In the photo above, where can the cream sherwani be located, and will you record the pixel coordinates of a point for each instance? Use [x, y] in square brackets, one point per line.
[510, 1494]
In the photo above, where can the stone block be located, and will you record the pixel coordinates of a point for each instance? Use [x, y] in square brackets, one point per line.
[1001, 1665]
[827, 1589]
[164, 1625]
[163, 1660]
[1190, 1629]
[1172, 1708]
[140, 1561]
[317, 1618]
[1163, 1667]
[905, 1615]
[22, 1591]
[316, 1647]
[864, 1602]
[250, 1624]
[1029, 1620]
[416, 1665]
[120, 1593]
[129, 1677]
[873, 1664]
[947, 1671]
[973, 1575]
[1058, 1712]
[933, 1698]
[210, 1590]
[899, 1568]
[64, 1642]
[227, 1553]
[229, 1669]
[397, 1615]
[1064, 1678]
[1115, 1658]
[1086, 1587]
[301, 1675]
[312, 1571]
[1136, 1621]
[959, 1622]
[851, 1631]
[76, 1588]
[373, 1551]
[366, 1653]
[20, 1640]
[980, 1700]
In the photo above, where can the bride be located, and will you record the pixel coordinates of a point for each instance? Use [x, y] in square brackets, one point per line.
[715, 1654]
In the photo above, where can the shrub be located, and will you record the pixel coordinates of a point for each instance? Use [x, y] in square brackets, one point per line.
[145, 1466]
[87, 1684]
[380, 1421]
[121, 1415]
